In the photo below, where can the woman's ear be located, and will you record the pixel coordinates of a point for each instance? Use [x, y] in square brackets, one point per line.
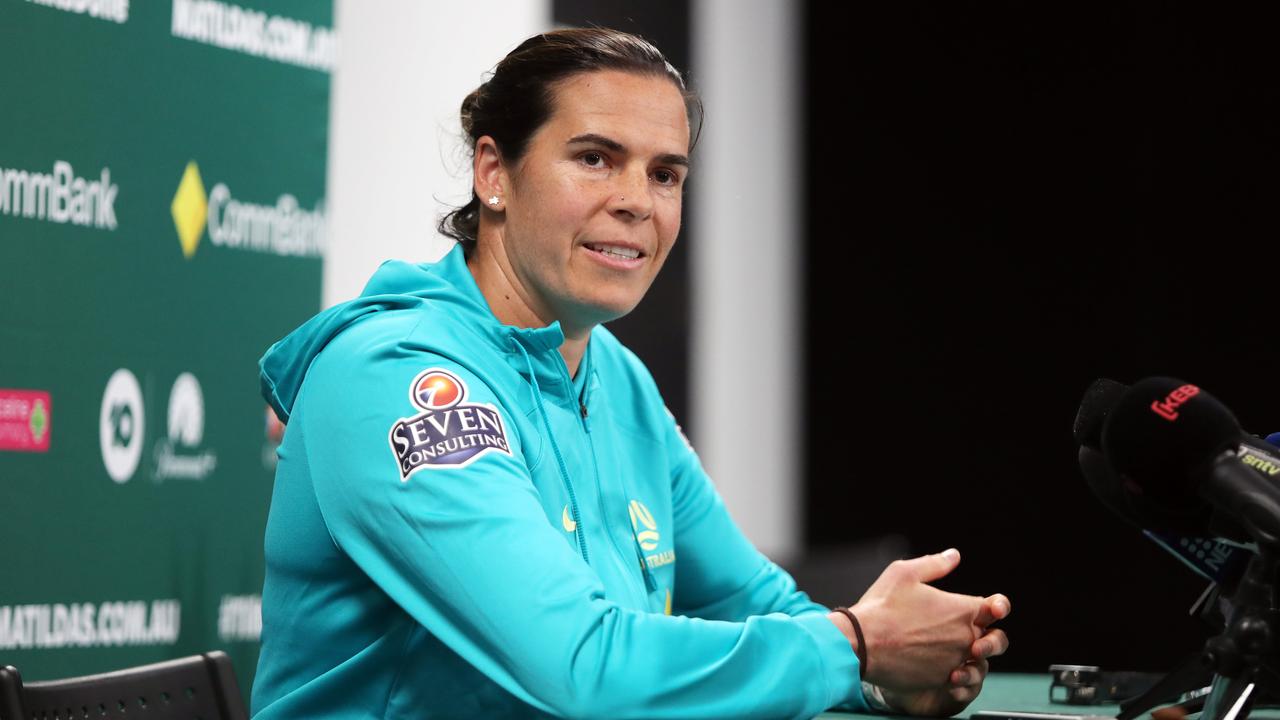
[490, 175]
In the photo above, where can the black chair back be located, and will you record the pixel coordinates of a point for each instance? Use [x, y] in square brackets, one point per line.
[200, 686]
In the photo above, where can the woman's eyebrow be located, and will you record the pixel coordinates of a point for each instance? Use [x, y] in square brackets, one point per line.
[593, 138]
[615, 146]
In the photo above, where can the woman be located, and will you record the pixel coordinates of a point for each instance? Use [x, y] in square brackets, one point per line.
[482, 507]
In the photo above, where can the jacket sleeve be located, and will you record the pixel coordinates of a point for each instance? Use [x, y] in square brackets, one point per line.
[720, 574]
[470, 554]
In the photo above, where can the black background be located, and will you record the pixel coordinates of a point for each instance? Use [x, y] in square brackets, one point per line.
[1005, 201]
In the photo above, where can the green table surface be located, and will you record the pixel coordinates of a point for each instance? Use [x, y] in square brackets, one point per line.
[1012, 691]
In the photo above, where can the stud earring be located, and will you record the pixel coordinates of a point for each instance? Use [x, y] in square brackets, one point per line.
[493, 199]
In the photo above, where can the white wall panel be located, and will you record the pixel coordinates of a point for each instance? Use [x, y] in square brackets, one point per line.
[747, 340]
[395, 149]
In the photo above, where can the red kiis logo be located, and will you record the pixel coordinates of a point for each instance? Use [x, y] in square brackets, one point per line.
[1168, 408]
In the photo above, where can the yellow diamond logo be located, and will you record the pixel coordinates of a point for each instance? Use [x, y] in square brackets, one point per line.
[190, 209]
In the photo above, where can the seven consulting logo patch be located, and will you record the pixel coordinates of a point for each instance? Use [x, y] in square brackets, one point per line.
[449, 433]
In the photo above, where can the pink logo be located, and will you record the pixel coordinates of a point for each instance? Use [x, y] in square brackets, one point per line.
[1168, 408]
[25, 420]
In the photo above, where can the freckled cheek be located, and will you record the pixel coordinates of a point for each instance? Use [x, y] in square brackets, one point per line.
[574, 201]
[558, 214]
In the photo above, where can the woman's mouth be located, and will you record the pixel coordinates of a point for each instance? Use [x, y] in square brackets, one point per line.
[614, 251]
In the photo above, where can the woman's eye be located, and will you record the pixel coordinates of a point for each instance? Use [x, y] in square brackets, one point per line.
[665, 177]
[593, 159]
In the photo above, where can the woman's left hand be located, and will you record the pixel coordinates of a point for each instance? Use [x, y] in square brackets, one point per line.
[965, 682]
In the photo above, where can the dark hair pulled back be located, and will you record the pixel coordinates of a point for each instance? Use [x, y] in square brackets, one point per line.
[517, 99]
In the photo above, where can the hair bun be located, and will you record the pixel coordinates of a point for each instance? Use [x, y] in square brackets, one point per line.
[467, 113]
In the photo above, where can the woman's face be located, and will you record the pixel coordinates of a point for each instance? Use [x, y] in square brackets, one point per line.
[593, 207]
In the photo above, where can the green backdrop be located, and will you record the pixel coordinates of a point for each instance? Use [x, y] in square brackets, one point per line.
[162, 183]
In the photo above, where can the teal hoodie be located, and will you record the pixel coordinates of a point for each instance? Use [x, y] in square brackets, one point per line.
[460, 529]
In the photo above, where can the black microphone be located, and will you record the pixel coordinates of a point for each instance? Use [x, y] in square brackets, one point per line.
[1181, 446]
[1102, 395]
[1182, 532]
[1124, 498]
[1116, 492]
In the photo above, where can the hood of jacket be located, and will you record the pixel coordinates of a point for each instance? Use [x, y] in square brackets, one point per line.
[445, 285]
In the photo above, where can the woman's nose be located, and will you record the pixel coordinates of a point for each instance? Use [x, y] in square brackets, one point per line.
[632, 195]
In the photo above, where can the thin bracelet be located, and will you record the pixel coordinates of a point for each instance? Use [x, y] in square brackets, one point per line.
[857, 631]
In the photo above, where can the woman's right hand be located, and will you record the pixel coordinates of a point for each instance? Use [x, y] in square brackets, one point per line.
[917, 636]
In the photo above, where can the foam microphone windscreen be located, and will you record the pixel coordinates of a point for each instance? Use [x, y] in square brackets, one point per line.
[1096, 404]
[1161, 432]
[1122, 497]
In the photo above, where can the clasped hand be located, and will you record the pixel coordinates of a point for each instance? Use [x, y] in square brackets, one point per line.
[926, 649]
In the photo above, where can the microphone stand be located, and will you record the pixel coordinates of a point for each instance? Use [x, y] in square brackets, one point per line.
[1241, 662]
[1244, 657]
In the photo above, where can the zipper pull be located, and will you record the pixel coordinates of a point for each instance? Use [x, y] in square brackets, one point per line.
[649, 583]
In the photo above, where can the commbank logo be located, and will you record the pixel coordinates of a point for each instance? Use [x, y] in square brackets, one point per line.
[1168, 408]
[281, 229]
[190, 209]
[59, 197]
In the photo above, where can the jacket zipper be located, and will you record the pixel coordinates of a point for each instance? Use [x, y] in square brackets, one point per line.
[580, 533]
[577, 522]
[584, 420]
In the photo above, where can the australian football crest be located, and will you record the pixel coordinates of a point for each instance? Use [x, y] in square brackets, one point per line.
[449, 432]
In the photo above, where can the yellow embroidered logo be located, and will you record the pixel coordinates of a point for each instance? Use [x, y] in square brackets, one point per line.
[640, 515]
[646, 530]
[567, 521]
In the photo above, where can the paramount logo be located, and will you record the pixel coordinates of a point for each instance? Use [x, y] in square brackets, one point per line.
[59, 197]
[180, 454]
[280, 229]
